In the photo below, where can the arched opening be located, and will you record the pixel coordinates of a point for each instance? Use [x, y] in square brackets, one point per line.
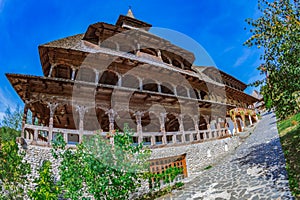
[229, 124]
[176, 63]
[194, 93]
[109, 78]
[253, 119]
[91, 123]
[103, 120]
[130, 81]
[172, 123]
[166, 88]
[188, 123]
[62, 71]
[247, 121]
[181, 91]
[150, 85]
[165, 59]
[150, 123]
[149, 51]
[202, 123]
[239, 124]
[204, 95]
[213, 124]
[86, 74]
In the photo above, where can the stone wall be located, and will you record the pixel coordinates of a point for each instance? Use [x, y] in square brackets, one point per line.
[197, 155]
[35, 155]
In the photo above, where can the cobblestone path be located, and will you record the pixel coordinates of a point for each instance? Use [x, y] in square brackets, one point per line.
[256, 170]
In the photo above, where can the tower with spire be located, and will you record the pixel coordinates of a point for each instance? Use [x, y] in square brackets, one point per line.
[130, 22]
[130, 13]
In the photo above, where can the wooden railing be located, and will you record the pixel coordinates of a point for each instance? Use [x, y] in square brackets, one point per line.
[39, 135]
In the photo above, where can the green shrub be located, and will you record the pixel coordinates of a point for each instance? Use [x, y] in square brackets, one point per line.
[13, 171]
[101, 170]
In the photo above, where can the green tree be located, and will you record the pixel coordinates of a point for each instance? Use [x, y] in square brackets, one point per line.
[13, 171]
[13, 119]
[277, 31]
[45, 189]
[101, 170]
[11, 124]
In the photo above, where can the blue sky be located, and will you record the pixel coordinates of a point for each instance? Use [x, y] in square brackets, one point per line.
[218, 25]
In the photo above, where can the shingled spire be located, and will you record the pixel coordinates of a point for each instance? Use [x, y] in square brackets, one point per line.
[130, 13]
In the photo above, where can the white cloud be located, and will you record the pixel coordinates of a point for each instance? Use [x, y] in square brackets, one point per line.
[247, 53]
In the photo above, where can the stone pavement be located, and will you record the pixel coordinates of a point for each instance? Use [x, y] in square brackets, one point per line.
[256, 170]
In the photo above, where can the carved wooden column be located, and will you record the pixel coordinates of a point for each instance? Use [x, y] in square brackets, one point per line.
[50, 71]
[244, 121]
[250, 119]
[181, 127]
[35, 135]
[140, 84]
[65, 135]
[139, 128]
[111, 117]
[138, 45]
[206, 118]
[175, 91]
[97, 73]
[120, 81]
[81, 111]
[73, 73]
[159, 88]
[159, 54]
[219, 127]
[33, 118]
[196, 123]
[235, 127]
[188, 93]
[162, 119]
[153, 140]
[117, 46]
[52, 107]
[24, 119]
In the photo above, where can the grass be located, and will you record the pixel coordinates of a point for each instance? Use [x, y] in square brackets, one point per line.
[289, 131]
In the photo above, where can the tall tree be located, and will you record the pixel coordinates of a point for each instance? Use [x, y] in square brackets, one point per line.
[11, 124]
[13, 119]
[277, 31]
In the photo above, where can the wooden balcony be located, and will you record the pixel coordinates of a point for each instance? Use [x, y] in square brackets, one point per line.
[39, 135]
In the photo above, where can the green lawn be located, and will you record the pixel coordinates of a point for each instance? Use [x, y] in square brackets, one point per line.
[289, 131]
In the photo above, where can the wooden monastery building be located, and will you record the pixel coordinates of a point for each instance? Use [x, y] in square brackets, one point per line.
[115, 74]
